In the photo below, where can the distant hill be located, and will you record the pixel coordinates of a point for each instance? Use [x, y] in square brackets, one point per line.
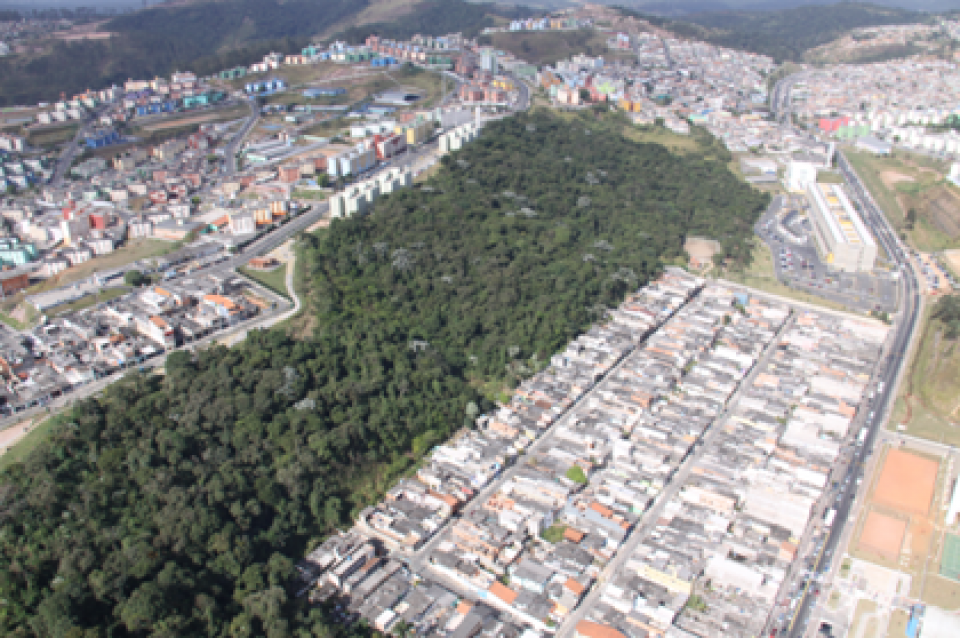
[787, 34]
[211, 35]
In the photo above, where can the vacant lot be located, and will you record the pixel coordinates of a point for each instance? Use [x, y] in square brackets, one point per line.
[17, 446]
[930, 393]
[905, 181]
[195, 118]
[132, 251]
[275, 280]
[52, 135]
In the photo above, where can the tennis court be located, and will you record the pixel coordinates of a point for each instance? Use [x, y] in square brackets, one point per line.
[950, 564]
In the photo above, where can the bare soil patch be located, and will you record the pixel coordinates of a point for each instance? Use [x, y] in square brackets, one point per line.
[943, 211]
[891, 178]
[883, 534]
[907, 482]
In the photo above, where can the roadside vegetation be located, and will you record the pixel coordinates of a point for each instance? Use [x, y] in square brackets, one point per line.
[911, 190]
[929, 398]
[274, 279]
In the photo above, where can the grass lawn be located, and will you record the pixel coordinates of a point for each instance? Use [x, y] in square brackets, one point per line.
[760, 275]
[29, 313]
[539, 48]
[930, 393]
[22, 448]
[87, 302]
[52, 135]
[554, 533]
[306, 194]
[132, 251]
[675, 142]
[829, 177]
[274, 280]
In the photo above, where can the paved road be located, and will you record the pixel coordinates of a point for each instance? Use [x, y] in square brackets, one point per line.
[230, 152]
[66, 157]
[888, 374]
[650, 517]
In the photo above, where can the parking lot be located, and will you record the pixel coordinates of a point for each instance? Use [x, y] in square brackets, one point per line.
[787, 230]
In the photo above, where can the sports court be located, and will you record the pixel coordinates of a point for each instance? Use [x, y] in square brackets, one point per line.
[907, 482]
[950, 563]
[883, 534]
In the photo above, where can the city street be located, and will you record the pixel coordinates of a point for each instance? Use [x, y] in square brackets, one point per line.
[888, 374]
[650, 517]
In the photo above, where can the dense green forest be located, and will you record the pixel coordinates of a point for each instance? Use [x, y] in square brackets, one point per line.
[177, 505]
[787, 34]
[208, 37]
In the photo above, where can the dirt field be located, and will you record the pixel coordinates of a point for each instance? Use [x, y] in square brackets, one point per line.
[952, 258]
[907, 482]
[701, 250]
[883, 534]
[199, 118]
[891, 178]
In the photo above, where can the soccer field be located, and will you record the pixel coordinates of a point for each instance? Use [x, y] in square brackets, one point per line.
[950, 565]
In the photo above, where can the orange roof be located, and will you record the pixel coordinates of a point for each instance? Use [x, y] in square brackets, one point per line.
[161, 291]
[449, 499]
[573, 535]
[574, 586]
[605, 512]
[588, 629]
[158, 322]
[464, 607]
[221, 221]
[503, 592]
[220, 300]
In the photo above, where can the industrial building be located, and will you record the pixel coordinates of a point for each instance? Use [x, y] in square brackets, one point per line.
[842, 238]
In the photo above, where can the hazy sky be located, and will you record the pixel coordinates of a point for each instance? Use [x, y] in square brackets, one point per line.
[928, 5]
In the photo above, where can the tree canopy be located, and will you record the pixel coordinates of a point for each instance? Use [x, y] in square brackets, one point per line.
[177, 505]
[786, 34]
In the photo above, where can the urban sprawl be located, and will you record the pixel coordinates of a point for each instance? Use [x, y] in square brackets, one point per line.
[669, 474]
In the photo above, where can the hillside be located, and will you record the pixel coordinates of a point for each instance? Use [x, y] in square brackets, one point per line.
[786, 34]
[212, 35]
[176, 505]
[548, 47]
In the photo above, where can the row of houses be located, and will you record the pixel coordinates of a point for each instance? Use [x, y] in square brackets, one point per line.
[370, 585]
[735, 526]
[77, 348]
[486, 541]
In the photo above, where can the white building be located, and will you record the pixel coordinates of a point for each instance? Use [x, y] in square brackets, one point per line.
[800, 175]
[842, 238]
